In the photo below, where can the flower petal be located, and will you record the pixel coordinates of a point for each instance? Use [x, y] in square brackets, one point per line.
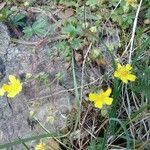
[2, 92]
[40, 146]
[93, 97]
[131, 77]
[119, 66]
[107, 92]
[6, 87]
[128, 67]
[116, 74]
[11, 94]
[98, 104]
[12, 78]
[124, 80]
[108, 100]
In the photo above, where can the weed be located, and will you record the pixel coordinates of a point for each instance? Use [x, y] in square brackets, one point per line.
[102, 32]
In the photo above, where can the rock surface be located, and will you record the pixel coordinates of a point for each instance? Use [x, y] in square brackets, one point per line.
[41, 94]
[4, 40]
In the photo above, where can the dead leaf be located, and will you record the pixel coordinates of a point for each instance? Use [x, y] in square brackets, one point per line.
[53, 145]
[2, 5]
[65, 14]
[67, 65]
[103, 64]
[147, 21]
[78, 58]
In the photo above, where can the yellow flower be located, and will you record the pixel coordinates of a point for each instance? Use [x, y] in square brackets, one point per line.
[40, 146]
[2, 92]
[13, 87]
[101, 98]
[131, 2]
[26, 3]
[50, 119]
[124, 73]
[93, 29]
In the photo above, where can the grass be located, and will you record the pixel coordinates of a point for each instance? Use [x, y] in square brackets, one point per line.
[125, 123]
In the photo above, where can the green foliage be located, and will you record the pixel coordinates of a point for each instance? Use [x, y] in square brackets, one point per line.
[76, 43]
[95, 144]
[37, 28]
[60, 76]
[148, 13]
[78, 36]
[113, 3]
[28, 31]
[64, 49]
[68, 3]
[73, 43]
[124, 20]
[43, 77]
[96, 53]
[4, 14]
[70, 30]
[14, 19]
[92, 3]
[142, 69]
[143, 84]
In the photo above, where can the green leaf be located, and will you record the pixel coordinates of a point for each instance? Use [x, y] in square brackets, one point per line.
[28, 31]
[64, 49]
[16, 20]
[39, 32]
[5, 14]
[148, 13]
[76, 44]
[41, 23]
[71, 30]
[95, 144]
[39, 26]
[19, 17]
[69, 3]
[92, 3]
[22, 24]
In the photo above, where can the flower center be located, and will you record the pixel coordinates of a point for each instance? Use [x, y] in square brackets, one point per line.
[124, 72]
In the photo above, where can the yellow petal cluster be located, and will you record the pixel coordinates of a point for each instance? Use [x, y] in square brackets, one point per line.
[124, 73]
[101, 98]
[2, 92]
[40, 146]
[13, 88]
[131, 2]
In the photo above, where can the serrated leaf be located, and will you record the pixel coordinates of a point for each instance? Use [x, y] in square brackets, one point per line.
[19, 17]
[41, 23]
[39, 31]
[76, 44]
[28, 31]
[39, 27]
[64, 49]
[17, 20]
[71, 30]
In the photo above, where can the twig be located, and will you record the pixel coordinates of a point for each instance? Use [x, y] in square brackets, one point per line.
[131, 42]
[82, 81]
[63, 91]
[133, 31]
